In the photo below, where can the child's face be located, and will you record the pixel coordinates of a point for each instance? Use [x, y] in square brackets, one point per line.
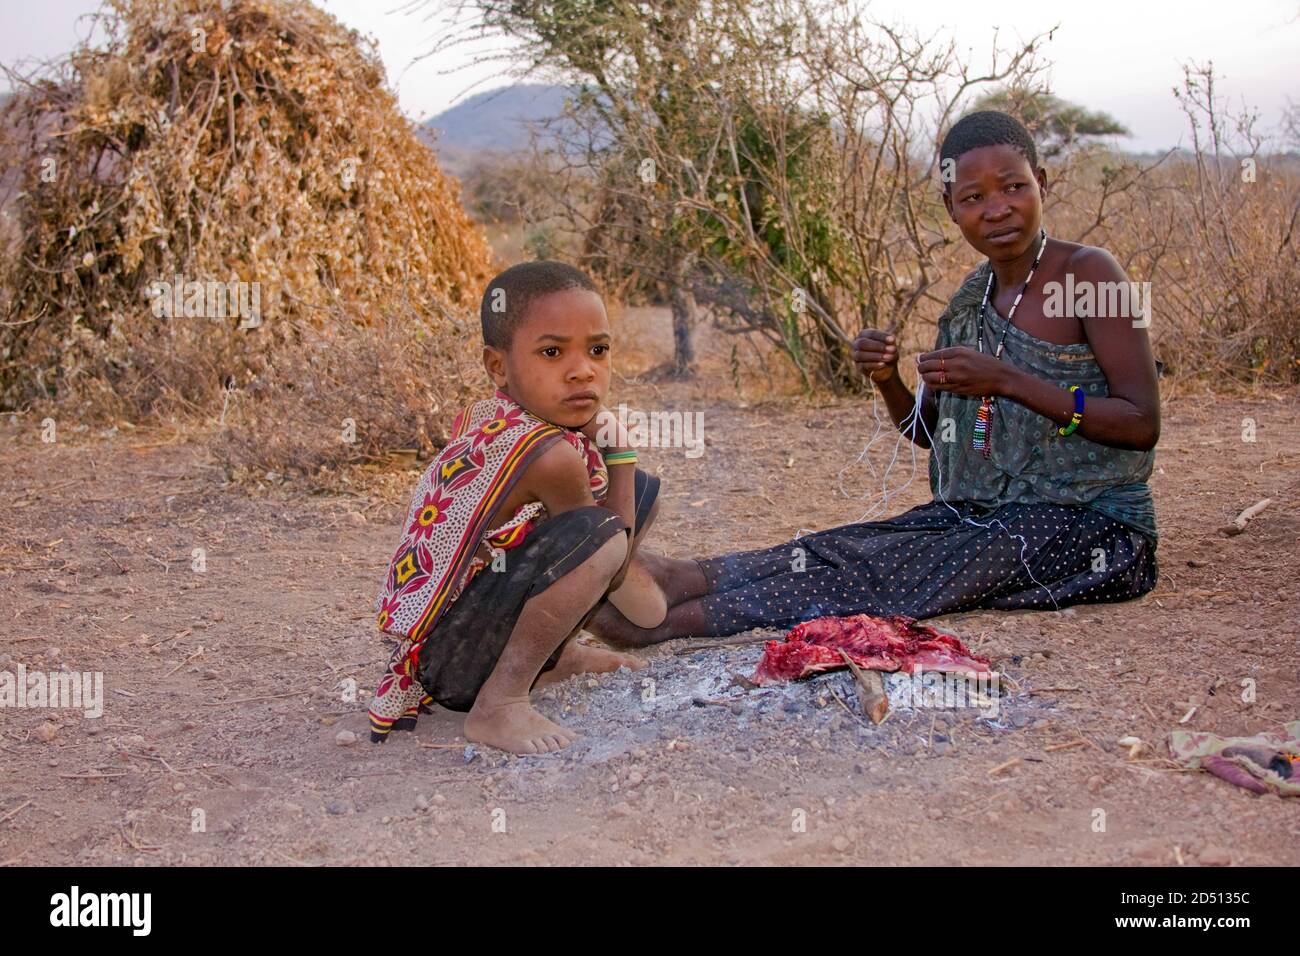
[996, 199]
[558, 363]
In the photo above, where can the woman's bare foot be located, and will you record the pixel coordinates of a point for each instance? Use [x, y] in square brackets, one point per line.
[581, 657]
[611, 626]
[512, 724]
[679, 579]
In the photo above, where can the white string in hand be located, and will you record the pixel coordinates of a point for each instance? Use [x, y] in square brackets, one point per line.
[907, 431]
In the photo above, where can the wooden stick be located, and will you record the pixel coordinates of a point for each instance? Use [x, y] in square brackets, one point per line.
[115, 561]
[1069, 745]
[1239, 523]
[840, 700]
[369, 773]
[183, 663]
[169, 767]
[14, 812]
[246, 700]
[1004, 766]
[93, 775]
[293, 860]
[871, 690]
[709, 645]
[175, 637]
[139, 848]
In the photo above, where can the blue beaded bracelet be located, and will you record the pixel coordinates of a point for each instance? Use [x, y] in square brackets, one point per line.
[1078, 412]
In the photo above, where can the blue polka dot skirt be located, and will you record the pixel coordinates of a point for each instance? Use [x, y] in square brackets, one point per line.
[931, 561]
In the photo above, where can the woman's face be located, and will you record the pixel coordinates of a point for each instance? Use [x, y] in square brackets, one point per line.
[996, 199]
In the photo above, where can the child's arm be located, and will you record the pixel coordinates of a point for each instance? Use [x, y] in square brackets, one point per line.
[634, 591]
[558, 479]
[620, 498]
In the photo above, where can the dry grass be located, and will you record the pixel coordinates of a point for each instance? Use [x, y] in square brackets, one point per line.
[251, 141]
[339, 398]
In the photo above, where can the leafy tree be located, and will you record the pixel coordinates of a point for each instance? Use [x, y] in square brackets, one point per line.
[1056, 124]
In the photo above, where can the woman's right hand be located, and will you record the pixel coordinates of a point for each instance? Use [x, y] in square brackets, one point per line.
[875, 353]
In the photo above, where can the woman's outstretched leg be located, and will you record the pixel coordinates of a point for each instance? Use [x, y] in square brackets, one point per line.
[683, 620]
[679, 579]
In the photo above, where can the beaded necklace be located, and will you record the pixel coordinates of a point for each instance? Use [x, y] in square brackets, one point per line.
[980, 437]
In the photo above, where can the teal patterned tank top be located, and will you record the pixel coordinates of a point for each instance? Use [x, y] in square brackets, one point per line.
[1029, 461]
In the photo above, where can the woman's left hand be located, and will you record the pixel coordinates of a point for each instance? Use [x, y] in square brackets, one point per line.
[963, 371]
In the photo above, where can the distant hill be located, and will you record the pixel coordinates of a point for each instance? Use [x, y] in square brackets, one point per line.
[496, 120]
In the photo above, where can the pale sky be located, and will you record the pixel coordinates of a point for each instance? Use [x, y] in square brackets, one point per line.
[1121, 56]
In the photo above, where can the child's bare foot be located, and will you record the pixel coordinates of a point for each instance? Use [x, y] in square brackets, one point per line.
[580, 657]
[512, 724]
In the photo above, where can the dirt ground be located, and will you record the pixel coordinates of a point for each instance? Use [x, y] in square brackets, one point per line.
[225, 689]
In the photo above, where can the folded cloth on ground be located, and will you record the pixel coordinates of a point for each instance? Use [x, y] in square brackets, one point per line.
[1262, 763]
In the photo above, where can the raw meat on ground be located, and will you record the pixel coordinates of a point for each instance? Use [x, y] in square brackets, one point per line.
[882, 644]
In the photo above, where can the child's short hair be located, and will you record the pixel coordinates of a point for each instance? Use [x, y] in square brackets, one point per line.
[508, 296]
[987, 128]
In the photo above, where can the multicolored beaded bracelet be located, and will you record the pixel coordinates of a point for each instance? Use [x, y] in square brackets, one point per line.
[1077, 391]
[621, 458]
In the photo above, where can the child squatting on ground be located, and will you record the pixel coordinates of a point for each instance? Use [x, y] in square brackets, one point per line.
[521, 527]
